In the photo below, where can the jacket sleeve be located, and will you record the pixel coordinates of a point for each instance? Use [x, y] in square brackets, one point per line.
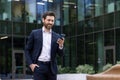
[60, 50]
[29, 48]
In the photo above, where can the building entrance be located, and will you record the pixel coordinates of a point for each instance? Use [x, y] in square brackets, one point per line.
[18, 64]
[109, 54]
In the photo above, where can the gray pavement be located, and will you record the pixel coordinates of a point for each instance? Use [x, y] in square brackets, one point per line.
[63, 77]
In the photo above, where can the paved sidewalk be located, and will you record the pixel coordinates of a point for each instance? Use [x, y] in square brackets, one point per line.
[63, 77]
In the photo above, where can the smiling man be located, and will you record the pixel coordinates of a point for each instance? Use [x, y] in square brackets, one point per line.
[42, 47]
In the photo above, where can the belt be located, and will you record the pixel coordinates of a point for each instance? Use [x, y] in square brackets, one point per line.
[43, 62]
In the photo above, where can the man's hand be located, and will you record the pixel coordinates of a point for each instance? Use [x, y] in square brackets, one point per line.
[32, 66]
[60, 42]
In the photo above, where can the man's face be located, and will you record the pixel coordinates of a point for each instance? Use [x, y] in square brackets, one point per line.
[48, 22]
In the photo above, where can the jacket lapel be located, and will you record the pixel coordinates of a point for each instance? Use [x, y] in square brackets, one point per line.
[40, 37]
[52, 40]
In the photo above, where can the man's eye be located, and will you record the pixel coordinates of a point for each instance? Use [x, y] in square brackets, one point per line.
[48, 20]
[51, 20]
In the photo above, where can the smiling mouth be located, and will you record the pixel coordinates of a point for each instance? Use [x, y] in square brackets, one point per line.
[49, 24]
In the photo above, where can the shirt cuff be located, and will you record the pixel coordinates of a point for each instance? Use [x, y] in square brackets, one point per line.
[60, 47]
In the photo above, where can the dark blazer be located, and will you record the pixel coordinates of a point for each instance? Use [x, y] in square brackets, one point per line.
[34, 46]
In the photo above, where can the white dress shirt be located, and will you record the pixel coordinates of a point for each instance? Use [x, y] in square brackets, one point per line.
[46, 48]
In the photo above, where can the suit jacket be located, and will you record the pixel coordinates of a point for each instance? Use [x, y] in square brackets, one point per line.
[34, 46]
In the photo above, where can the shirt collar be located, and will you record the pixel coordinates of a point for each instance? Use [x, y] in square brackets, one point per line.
[43, 29]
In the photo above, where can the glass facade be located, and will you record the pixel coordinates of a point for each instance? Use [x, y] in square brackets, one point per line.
[91, 27]
[93, 34]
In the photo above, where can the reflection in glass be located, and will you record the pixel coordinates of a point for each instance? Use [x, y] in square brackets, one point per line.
[109, 56]
[55, 6]
[89, 44]
[19, 63]
[89, 25]
[117, 44]
[18, 28]
[69, 30]
[69, 8]
[80, 10]
[109, 6]
[73, 54]
[89, 8]
[109, 38]
[66, 8]
[99, 50]
[66, 13]
[73, 29]
[30, 11]
[18, 42]
[67, 50]
[98, 22]
[80, 27]
[117, 19]
[5, 10]
[18, 11]
[98, 7]
[30, 27]
[5, 57]
[109, 21]
[81, 50]
[41, 8]
[66, 30]
[72, 11]
[5, 27]
[118, 4]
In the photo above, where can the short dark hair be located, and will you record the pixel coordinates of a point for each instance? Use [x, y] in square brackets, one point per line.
[48, 13]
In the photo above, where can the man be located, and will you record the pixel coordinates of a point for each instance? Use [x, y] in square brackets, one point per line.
[42, 47]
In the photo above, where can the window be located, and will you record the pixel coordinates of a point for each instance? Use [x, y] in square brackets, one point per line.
[89, 8]
[5, 10]
[117, 19]
[109, 6]
[98, 22]
[98, 7]
[109, 21]
[118, 4]
[89, 25]
[89, 44]
[109, 38]
[80, 10]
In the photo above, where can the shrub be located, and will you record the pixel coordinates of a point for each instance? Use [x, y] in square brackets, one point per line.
[85, 69]
[63, 69]
[118, 62]
[107, 66]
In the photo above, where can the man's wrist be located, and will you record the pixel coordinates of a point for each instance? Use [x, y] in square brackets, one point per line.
[61, 47]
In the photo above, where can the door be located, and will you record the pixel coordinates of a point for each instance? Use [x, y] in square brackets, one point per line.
[18, 64]
[110, 54]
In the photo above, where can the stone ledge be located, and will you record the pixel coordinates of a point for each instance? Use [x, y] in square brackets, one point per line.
[71, 77]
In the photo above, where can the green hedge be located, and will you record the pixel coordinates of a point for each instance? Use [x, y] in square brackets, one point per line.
[85, 69]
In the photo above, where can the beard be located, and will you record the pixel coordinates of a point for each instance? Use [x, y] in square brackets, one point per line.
[48, 26]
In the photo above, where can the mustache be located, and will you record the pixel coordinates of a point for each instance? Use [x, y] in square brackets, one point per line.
[49, 24]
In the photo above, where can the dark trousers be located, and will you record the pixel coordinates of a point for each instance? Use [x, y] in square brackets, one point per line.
[43, 72]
